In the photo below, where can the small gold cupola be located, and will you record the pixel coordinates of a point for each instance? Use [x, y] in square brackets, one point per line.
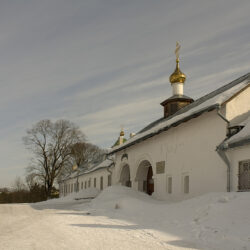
[122, 132]
[177, 76]
[121, 139]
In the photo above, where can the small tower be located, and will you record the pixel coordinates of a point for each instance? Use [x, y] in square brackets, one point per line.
[178, 100]
[121, 138]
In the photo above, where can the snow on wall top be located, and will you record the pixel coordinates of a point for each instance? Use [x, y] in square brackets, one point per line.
[206, 103]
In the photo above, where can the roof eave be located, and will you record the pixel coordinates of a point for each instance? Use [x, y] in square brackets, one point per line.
[185, 119]
[239, 143]
[90, 171]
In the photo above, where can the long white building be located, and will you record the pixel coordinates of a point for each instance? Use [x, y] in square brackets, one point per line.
[196, 147]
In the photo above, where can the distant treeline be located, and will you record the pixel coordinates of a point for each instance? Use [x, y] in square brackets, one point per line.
[35, 193]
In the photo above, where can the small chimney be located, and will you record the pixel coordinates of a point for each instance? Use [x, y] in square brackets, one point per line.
[132, 135]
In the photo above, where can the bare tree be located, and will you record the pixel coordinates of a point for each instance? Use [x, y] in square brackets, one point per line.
[51, 145]
[78, 153]
[81, 155]
[31, 179]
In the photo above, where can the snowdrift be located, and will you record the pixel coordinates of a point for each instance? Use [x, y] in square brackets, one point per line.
[211, 221]
[121, 197]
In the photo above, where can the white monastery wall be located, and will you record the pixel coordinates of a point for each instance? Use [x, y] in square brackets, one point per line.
[87, 181]
[239, 105]
[188, 149]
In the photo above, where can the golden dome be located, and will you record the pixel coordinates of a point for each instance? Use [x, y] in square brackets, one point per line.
[122, 133]
[177, 76]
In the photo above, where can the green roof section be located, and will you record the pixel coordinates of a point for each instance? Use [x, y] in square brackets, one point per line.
[117, 142]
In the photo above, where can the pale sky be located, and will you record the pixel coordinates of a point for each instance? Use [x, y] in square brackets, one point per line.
[106, 63]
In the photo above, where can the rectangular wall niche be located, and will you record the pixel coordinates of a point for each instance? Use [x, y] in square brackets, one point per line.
[160, 167]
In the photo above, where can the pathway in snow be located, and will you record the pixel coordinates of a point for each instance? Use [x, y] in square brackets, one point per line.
[24, 227]
[121, 218]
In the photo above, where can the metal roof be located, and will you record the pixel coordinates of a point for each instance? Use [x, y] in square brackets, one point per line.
[191, 111]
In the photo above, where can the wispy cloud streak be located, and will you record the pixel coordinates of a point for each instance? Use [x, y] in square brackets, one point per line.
[103, 64]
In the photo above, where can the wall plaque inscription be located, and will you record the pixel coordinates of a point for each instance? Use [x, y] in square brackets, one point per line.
[160, 167]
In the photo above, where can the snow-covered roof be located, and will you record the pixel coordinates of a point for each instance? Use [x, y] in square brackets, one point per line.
[241, 138]
[207, 103]
[104, 164]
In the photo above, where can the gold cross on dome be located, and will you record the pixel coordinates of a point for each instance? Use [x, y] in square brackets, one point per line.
[178, 46]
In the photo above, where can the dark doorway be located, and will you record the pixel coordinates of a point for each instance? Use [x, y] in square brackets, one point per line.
[125, 176]
[150, 181]
[144, 177]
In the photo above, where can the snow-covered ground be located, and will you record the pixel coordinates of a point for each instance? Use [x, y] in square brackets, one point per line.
[120, 218]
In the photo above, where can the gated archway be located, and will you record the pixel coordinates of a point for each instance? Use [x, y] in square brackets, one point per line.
[125, 176]
[144, 177]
